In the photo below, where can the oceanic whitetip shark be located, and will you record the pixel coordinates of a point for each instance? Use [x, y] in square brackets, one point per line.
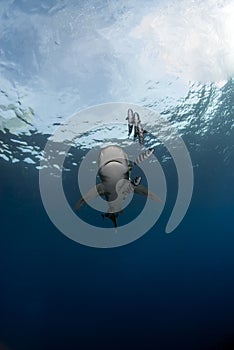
[114, 171]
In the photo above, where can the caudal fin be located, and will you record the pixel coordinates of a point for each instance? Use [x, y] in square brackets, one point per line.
[113, 217]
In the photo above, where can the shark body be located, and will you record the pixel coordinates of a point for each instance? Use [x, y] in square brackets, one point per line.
[115, 184]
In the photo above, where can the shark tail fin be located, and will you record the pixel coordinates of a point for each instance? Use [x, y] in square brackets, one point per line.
[113, 217]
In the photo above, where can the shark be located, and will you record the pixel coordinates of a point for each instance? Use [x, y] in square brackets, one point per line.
[114, 170]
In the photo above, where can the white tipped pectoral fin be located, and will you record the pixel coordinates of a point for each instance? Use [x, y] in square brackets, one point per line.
[93, 193]
[145, 192]
[154, 197]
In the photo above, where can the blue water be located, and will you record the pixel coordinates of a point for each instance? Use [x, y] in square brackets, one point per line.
[160, 292]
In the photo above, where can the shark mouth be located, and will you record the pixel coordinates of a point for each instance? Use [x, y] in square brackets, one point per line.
[112, 161]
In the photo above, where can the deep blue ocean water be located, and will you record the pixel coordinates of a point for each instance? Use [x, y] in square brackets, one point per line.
[160, 292]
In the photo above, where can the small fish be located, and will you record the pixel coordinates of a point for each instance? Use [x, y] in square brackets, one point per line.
[136, 181]
[140, 133]
[130, 119]
[138, 130]
[136, 118]
[143, 156]
[130, 186]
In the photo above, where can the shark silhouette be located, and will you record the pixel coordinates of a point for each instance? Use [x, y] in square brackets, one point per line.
[114, 170]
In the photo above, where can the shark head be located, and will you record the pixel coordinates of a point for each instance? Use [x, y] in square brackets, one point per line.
[113, 167]
[112, 153]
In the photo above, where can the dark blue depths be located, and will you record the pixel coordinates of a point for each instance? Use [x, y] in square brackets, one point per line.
[160, 292]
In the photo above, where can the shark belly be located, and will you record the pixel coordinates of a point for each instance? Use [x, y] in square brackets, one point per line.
[110, 175]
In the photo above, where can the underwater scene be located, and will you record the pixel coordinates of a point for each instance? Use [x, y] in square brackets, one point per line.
[117, 175]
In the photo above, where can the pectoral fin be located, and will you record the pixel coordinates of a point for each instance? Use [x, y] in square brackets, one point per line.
[145, 192]
[93, 193]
